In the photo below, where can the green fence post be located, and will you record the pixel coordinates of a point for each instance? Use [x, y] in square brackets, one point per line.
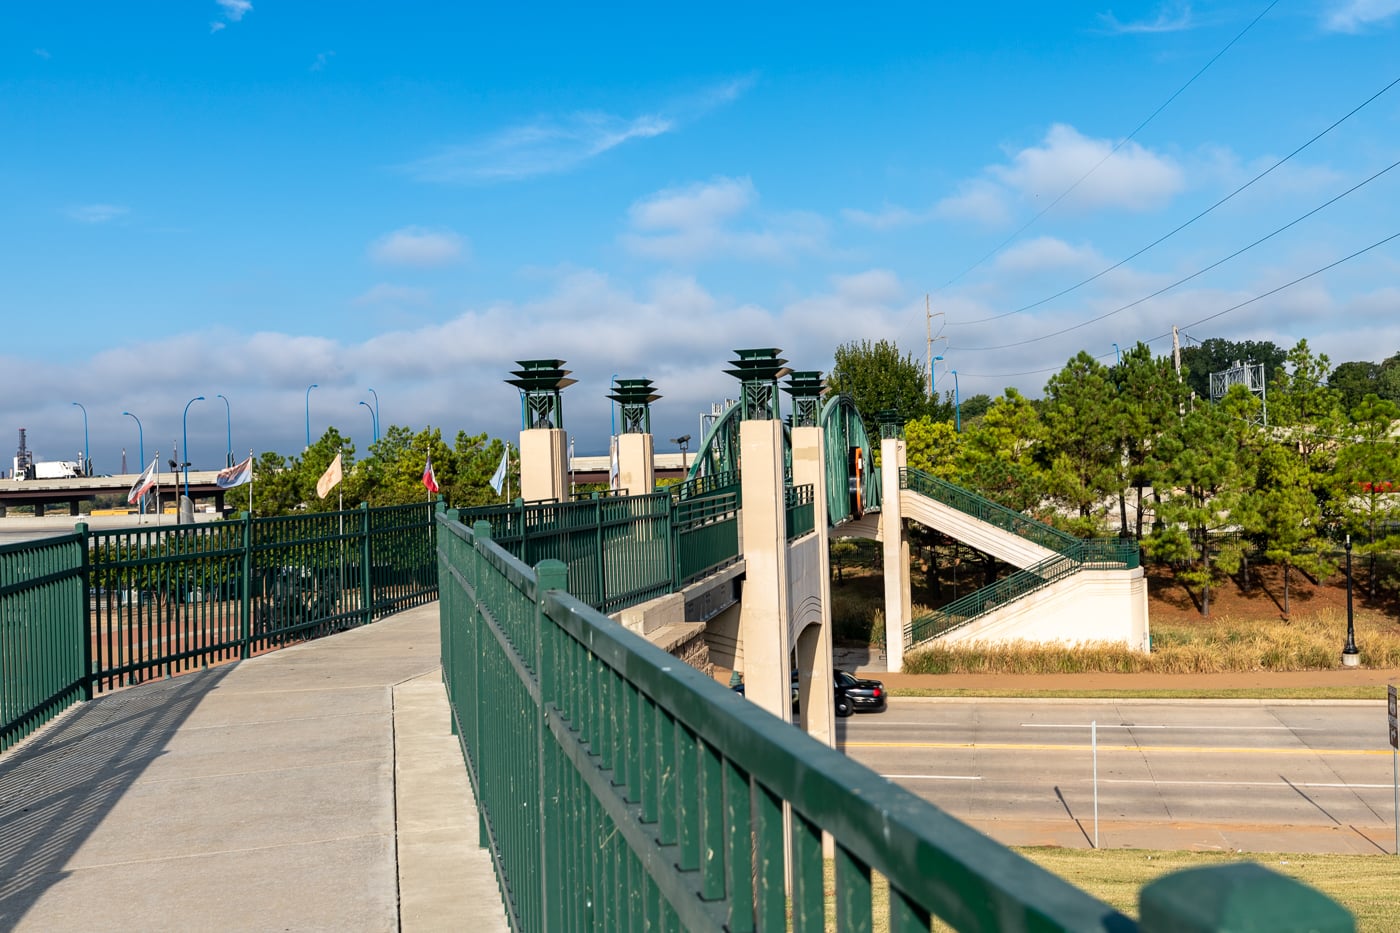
[88, 632]
[481, 535]
[1243, 896]
[245, 611]
[366, 552]
[549, 575]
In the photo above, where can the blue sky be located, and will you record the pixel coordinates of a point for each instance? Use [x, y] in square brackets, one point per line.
[248, 198]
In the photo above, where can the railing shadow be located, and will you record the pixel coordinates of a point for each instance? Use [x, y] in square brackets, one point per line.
[57, 787]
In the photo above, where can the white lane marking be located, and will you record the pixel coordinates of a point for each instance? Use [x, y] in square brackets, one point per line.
[932, 777]
[1340, 784]
[1077, 725]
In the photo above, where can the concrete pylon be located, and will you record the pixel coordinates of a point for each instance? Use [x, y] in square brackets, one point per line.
[898, 600]
[544, 464]
[813, 643]
[636, 466]
[764, 613]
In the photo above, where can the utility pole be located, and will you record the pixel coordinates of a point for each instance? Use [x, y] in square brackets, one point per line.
[928, 349]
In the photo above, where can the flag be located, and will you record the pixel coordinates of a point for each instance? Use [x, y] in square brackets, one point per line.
[329, 479]
[429, 477]
[144, 482]
[613, 469]
[236, 475]
[498, 479]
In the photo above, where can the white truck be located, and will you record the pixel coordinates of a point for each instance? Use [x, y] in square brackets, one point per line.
[57, 469]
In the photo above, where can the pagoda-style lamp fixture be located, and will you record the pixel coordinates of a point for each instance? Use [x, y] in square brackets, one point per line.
[758, 372]
[890, 422]
[634, 398]
[806, 389]
[540, 383]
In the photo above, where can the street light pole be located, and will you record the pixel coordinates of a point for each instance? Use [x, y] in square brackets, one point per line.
[957, 405]
[373, 424]
[308, 414]
[185, 425]
[682, 442]
[376, 413]
[140, 438]
[87, 471]
[1351, 655]
[228, 424]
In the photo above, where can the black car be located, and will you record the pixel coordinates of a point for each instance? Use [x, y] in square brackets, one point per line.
[857, 695]
[852, 694]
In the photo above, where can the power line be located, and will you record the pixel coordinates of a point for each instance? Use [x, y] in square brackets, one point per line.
[1199, 272]
[1218, 314]
[1112, 152]
[1174, 231]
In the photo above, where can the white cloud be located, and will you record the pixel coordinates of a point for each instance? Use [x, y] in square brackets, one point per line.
[322, 59]
[234, 10]
[418, 246]
[1133, 178]
[43, 53]
[95, 213]
[1048, 253]
[394, 295]
[1170, 18]
[889, 217]
[1355, 15]
[555, 144]
[704, 221]
[978, 200]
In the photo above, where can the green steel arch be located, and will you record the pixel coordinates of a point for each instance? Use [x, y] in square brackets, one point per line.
[847, 441]
[719, 451]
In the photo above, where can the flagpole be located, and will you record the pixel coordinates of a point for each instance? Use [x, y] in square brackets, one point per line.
[250, 482]
[158, 509]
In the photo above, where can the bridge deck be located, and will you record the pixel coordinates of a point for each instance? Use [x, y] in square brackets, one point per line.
[314, 787]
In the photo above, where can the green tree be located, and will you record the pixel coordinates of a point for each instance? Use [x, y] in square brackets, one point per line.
[1080, 434]
[1217, 355]
[1149, 398]
[1368, 472]
[1198, 460]
[932, 446]
[996, 454]
[1285, 515]
[879, 378]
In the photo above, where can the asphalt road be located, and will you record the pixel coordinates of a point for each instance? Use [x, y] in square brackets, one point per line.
[1291, 777]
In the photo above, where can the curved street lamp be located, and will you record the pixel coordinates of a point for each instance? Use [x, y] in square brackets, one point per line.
[376, 413]
[228, 425]
[372, 420]
[86, 469]
[308, 414]
[140, 438]
[185, 424]
[957, 404]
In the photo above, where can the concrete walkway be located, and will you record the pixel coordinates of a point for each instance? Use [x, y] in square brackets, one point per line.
[313, 788]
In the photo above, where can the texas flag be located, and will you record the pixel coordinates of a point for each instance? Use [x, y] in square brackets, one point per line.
[144, 483]
[429, 477]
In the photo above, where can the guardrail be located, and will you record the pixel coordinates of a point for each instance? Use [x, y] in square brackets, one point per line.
[98, 610]
[801, 511]
[620, 789]
[979, 507]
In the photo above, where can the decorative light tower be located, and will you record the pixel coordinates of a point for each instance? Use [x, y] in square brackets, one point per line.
[543, 442]
[636, 465]
[806, 390]
[758, 372]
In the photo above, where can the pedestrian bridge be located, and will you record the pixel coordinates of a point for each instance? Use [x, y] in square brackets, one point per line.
[616, 787]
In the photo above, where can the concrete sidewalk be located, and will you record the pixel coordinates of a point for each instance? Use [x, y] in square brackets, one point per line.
[313, 788]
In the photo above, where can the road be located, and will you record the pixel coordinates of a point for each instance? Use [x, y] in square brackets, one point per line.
[1218, 775]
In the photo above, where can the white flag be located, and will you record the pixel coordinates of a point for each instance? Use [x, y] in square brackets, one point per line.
[498, 479]
[236, 475]
[144, 482]
[613, 469]
[330, 479]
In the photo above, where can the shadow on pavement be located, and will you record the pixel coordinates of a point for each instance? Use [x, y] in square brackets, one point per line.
[56, 788]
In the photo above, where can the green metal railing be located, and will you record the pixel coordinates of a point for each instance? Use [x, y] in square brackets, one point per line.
[624, 550]
[43, 648]
[979, 507]
[801, 512]
[618, 789]
[103, 609]
[1092, 554]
